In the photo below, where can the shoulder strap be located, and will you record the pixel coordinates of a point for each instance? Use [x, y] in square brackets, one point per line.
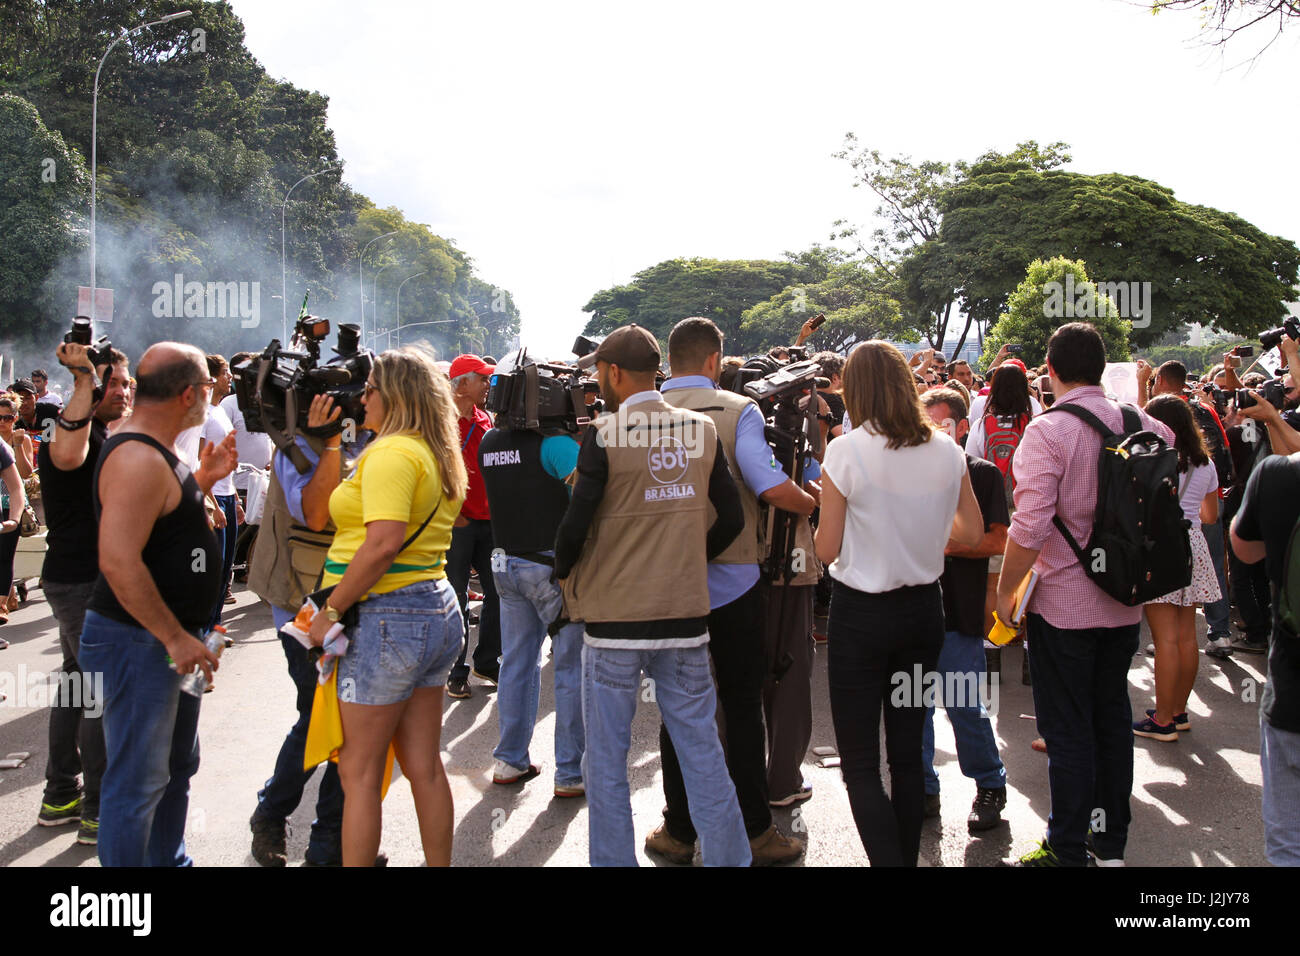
[420, 530]
[1081, 413]
[1132, 421]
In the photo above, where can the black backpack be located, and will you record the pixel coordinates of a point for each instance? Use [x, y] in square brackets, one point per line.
[1139, 549]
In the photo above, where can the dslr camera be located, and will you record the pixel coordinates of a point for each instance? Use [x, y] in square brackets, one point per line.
[100, 350]
[1272, 391]
[1273, 337]
[274, 390]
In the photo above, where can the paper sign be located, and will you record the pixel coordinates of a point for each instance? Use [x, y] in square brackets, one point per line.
[1120, 381]
[103, 303]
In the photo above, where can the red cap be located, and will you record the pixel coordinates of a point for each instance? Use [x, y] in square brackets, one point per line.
[464, 364]
[1018, 364]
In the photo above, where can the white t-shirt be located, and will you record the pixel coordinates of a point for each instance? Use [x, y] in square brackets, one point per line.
[1195, 485]
[901, 503]
[979, 401]
[215, 429]
[254, 448]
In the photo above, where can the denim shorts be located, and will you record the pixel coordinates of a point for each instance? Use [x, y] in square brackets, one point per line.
[405, 639]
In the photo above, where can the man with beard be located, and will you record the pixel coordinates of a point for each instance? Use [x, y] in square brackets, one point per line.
[67, 466]
[160, 571]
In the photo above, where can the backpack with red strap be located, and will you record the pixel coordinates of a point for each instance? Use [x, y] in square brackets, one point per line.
[1002, 434]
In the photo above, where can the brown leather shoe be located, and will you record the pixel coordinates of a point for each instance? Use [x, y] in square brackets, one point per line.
[669, 847]
[773, 846]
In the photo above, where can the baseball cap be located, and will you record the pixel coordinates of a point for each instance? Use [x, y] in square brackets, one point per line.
[1018, 364]
[23, 385]
[630, 347]
[464, 364]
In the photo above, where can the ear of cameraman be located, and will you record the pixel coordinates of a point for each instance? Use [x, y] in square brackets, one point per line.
[735, 597]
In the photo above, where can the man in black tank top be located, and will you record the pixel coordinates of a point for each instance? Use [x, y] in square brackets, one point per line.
[160, 570]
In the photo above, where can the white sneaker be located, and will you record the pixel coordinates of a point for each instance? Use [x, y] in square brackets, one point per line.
[1220, 647]
[1098, 861]
[503, 773]
[578, 789]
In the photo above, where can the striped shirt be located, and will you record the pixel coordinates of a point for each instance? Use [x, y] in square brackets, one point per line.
[1056, 473]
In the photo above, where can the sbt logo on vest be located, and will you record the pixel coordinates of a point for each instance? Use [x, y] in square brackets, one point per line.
[668, 460]
[644, 429]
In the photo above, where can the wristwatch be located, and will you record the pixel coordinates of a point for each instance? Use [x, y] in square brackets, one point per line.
[333, 614]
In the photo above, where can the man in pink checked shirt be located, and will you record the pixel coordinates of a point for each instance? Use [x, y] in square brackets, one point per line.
[1081, 640]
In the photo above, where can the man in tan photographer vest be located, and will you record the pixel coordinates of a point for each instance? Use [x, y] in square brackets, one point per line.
[632, 554]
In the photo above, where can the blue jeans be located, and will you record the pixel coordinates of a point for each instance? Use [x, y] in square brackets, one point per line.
[1279, 756]
[1217, 614]
[151, 733]
[977, 749]
[404, 640]
[530, 602]
[1081, 700]
[283, 791]
[683, 688]
[226, 543]
[471, 546]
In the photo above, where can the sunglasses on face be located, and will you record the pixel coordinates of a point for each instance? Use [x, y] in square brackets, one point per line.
[8, 418]
[370, 389]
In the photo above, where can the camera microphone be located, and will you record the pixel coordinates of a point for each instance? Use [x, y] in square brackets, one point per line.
[331, 375]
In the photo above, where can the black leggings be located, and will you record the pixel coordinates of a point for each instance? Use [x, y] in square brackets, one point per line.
[879, 645]
[8, 547]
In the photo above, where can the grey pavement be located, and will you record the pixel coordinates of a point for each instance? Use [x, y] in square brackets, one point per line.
[1195, 802]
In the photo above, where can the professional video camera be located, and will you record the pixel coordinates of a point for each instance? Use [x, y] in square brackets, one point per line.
[1273, 337]
[99, 351]
[792, 432]
[274, 390]
[549, 397]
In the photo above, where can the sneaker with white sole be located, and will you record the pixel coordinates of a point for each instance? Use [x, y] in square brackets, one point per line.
[803, 793]
[1219, 647]
[503, 773]
[567, 790]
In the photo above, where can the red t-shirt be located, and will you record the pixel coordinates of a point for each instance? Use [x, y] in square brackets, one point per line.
[471, 433]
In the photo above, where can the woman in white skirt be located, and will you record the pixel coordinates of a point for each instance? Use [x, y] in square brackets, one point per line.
[1172, 618]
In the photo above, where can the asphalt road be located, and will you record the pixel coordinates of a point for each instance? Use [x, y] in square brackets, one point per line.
[1195, 802]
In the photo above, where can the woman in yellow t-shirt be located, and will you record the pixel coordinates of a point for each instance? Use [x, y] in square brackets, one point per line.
[394, 516]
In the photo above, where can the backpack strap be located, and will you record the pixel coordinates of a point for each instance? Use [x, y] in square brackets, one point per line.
[1087, 416]
[1097, 426]
[1132, 421]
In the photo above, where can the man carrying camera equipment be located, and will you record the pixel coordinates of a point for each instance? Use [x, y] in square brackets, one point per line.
[1264, 532]
[525, 461]
[634, 546]
[287, 564]
[1273, 405]
[471, 537]
[961, 657]
[159, 577]
[735, 619]
[67, 467]
[1171, 379]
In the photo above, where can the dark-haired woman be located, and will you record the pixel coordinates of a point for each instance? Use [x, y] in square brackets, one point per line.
[895, 490]
[1172, 618]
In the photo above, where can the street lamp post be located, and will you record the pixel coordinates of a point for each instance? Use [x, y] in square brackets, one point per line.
[416, 325]
[284, 307]
[361, 282]
[399, 305]
[374, 314]
[94, 136]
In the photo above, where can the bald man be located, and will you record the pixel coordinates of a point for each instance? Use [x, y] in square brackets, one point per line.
[159, 573]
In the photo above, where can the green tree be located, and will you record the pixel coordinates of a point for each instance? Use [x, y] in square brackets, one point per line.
[659, 297]
[1034, 312]
[910, 198]
[43, 185]
[857, 303]
[1202, 265]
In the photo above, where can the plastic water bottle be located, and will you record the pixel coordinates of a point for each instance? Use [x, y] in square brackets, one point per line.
[196, 683]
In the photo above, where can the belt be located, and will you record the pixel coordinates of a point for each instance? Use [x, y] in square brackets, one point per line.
[534, 556]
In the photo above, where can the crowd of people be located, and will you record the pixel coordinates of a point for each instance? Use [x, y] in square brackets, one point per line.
[666, 542]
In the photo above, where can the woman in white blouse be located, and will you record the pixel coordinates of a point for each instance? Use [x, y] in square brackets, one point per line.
[895, 490]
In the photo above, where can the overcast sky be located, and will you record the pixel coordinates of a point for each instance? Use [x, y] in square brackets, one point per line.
[565, 146]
